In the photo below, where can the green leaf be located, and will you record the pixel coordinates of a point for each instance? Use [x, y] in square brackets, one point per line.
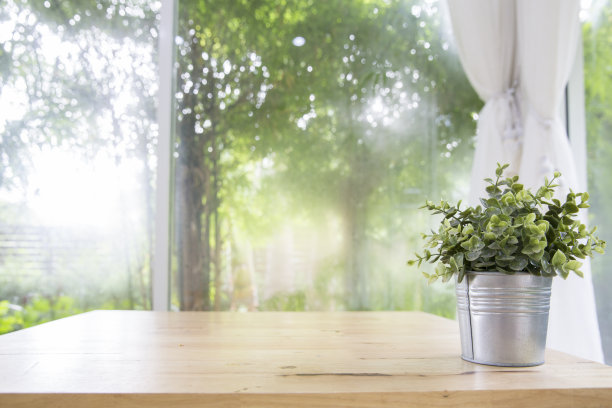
[472, 256]
[519, 264]
[490, 236]
[577, 252]
[460, 275]
[508, 199]
[564, 274]
[493, 202]
[453, 265]
[558, 259]
[502, 270]
[543, 225]
[459, 259]
[536, 256]
[524, 196]
[504, 258]
[494, 245]
[570, 207]
[484, 264]
[546, 267]
[509, 249]
[492, 189]
[487, 253]
[477, 243]
[573, 265]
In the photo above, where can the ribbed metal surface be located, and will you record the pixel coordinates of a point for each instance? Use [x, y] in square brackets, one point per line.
[530, 300]
[503, 318]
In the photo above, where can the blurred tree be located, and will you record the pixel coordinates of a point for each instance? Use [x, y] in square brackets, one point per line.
[331, 98]
[285, 109]
[597, 37]
[80, 76]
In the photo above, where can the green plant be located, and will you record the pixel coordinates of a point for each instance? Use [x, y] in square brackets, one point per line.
[10, 317]
[514, 231]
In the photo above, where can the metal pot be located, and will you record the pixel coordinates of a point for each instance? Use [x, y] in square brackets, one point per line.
[503, 318]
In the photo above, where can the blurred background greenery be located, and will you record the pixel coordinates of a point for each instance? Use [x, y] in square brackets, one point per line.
[307, 135]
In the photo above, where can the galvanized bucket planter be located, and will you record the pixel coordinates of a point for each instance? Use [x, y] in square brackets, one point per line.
[503, 319]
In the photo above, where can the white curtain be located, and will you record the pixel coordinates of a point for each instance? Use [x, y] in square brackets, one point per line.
[518, 54]
[547, 32]
[484, 34]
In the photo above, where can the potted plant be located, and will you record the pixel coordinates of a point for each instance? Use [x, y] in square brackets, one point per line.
[504, 255]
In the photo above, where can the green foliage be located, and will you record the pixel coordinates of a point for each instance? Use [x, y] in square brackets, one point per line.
[286, 302]
[38, 310]
[597, 37]
[10, 318]
[338, 136]
[68, 98]
[336, 129]
[513, 231]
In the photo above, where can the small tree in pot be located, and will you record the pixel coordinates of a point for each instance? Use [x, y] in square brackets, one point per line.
[509, 249]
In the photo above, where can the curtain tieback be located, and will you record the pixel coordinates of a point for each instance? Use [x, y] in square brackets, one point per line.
[547, 165]
[546, 123]
[514, 128]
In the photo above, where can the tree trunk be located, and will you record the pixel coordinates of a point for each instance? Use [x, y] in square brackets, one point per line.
[357, 188]
[192, 259]
[356, 293]
[206, 250]
[218, 244]
[191, 189]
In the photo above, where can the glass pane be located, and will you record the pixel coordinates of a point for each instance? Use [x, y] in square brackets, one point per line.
[308, 134]
[597, 36]
[77, 137]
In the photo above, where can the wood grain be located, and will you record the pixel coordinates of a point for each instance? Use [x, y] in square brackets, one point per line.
[353, 359]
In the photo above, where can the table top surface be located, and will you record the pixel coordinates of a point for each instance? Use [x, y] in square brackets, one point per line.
[139, 358]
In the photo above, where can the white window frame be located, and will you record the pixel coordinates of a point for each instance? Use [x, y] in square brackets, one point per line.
[576, 116]
[160, 279]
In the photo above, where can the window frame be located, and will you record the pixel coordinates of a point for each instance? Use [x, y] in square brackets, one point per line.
[160, 277]
[576, 115]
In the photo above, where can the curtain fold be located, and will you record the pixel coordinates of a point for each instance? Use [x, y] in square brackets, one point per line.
[518, 55]
[484, 32]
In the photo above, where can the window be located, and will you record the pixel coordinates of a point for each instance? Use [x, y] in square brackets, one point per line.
[307, 136]
[78, 82]
[597, 32]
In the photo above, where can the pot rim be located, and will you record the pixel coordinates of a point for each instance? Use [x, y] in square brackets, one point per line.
[521, 273]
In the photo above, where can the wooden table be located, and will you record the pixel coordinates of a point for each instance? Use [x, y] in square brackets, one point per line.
[358, 359]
